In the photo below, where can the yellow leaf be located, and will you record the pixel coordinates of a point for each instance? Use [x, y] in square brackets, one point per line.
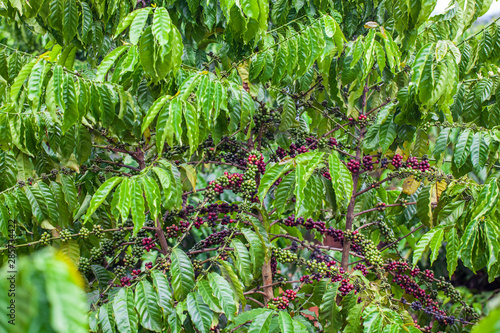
[410, 185]
[371, 24]
[440, 187]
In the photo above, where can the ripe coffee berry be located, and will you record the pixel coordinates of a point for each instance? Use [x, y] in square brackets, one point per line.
[333, 142]
[362, 268]
[397, 161]
[148, 243]
[353, 166]
[412, 162]
[148, 265]
[367, 163]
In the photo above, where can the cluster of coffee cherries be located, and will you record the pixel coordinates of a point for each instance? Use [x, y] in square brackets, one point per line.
[84, 232]
[45, 239]
[368, 163]
[216, 238]
[362, 120]
[65, 235]
[449, 290]
[148, 243]
[255, 158]
[362, 268]
[172, 231]
[397, 161]
[84, 265]
[309, 224]
[283, 301]
[353, 165]
[231, 181]
[387, 234]
[367, 247]
[284, 256]
[327, 175]
[346, 287]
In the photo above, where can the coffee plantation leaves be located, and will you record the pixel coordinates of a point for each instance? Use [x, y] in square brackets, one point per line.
[182, 274]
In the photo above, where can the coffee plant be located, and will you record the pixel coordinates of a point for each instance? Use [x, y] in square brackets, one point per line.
[247, 166]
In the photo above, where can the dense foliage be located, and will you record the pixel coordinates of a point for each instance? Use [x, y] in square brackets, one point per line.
[247, 166]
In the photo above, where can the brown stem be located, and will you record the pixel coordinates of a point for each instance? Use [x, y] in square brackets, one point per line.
[355, 178]
[161, 237]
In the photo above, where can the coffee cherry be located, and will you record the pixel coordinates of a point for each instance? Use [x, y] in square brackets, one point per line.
[84, 232]
[46, 237]
[353, 166]
[367, 163]
[120, 271]
[65, 235]
[97, 230]
[96, 254]
[84, 265]
[397, 161]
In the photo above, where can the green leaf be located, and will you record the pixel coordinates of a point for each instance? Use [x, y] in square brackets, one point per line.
[71, 104]
[101, 195]
[242, 261]
[153, 111]
[330, 25]
[125, 23]
[20, 78]
[288, 114]
[341, 178]
[423, 244]
[50, 200]
[490, 324]
[182, 274]
[206, 291]
[200, 313]
[124, 200]
[424, 210]
[35, 81]
[261, 323]
[4, 220]
[234, 282]
[306, 164]
[285, 322]
[147, 307]
[137, 206]
[163, 292]
[462, 148]
[70, 194]
[491, 233]
[452, 250]
[153, 196]
[106, 319]
[161, 25]
[272, 174]
[191, 117]
[123, 308]
[387, 134]
[435, 244]
[283, 192]
[70, 21]
[330, 311]
[441, 142]
[109, 61]
[224, 294]
[138, 24]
